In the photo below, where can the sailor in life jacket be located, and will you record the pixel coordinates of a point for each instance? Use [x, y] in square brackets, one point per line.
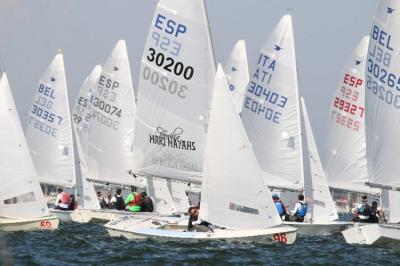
[300, 209]
[117, 202]
[132, 202]
[62, 200]
[363, 211]
[280, 208]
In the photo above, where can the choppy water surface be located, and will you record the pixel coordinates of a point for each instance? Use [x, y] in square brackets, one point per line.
[90, 244]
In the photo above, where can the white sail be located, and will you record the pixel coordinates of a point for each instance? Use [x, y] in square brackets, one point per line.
[383, 96]
[83, 108]
[176, 77]
[179, 195]
[233, 193]
[49, 128]
[237, 73]
[86, 195]
[345, 149]
[316, 190]
[112, 121]
[390, 203]
[20, 193]
[270, 111]
[162, 200]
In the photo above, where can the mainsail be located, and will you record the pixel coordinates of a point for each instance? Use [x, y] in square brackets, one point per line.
[382, 112]
[158, 190]
[237, 73]
[233, 192]
[271, 113]
[316, 190]
[176, 78]
[179, 195]
[345, 149]
[20, 192]
[110, 151]
[49, 129]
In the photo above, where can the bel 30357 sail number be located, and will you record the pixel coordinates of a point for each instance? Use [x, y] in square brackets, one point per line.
[169, 64]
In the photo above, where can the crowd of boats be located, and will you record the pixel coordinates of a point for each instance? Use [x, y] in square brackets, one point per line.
[199, 128]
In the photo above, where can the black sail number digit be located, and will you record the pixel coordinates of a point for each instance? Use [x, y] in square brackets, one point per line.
[170, 65]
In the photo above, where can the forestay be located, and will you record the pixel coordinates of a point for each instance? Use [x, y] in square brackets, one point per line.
[20, 193]
[237, 73]
[176, 77]
[316, 190]
[111, 131]
[270, 111]
[345, 149]
[49, 129]
[233, 193]
[383, 96]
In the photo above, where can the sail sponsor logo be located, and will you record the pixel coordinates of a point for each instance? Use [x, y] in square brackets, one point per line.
[241, 208]
[171, 139]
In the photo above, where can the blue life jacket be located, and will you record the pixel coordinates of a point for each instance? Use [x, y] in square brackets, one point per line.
[279, 208]
[302, 211]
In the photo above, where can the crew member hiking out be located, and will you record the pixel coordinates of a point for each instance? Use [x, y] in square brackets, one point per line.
[132, 202]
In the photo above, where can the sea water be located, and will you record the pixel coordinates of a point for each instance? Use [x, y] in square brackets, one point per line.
[90, 244]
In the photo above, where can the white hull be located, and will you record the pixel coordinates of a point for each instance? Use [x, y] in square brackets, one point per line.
[319, 228]
[40, 223]
[174, 228]
[97, 216]
[368, 234]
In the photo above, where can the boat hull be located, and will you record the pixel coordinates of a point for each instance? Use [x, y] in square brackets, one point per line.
[171, 228]
[97, 216]
[40, 223]
[319, 228]
[368, 234]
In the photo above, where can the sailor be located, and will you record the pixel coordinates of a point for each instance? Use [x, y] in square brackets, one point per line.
[101, 200]
[146, 203]
[196, 224]
[280, 207]
[132, 202]
[117, 202]
[374, 216]
[107, 200]
[300, 209]
[72, 203]
[363, 211]
[62, 200]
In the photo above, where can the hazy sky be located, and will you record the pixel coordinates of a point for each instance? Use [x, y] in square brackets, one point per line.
[31, 32]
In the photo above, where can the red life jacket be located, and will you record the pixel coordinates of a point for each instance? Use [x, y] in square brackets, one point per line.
[65, 198]
[136, 199]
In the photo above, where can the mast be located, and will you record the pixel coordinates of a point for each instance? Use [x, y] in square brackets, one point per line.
[209, 35]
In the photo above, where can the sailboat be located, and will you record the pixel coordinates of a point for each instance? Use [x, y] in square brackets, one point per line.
[22, 205]
[233, 194]
[237, 73]
[50, 130]
[280, 132]
[382, 130]
[170, 142]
